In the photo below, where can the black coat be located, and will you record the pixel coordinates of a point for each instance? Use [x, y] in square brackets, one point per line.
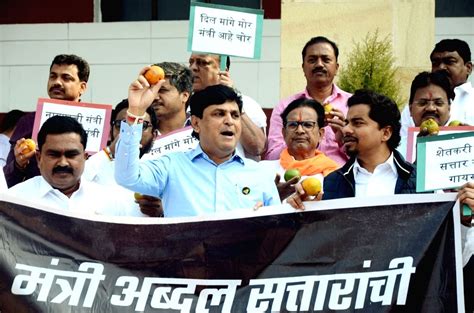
[340, 183]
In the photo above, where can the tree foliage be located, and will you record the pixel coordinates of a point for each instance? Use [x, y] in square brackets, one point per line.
[371, 66]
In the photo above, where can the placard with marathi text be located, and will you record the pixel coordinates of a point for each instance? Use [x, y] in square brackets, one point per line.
[414, 131]
[225, 30]
[178, 140]
[95, 118]
[444, 161]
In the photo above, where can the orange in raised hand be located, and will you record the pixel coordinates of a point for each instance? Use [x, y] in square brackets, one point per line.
[154, 74]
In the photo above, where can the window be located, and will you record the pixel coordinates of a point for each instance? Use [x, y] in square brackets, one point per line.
[162, 10]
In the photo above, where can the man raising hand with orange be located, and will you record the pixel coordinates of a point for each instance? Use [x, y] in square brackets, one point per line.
[211, 178]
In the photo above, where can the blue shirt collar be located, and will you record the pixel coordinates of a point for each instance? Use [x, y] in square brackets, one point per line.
[198, 152]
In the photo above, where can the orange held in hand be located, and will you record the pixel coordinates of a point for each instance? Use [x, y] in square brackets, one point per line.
[311, 186]
[154, 74]
[327, 108]
[27, 146]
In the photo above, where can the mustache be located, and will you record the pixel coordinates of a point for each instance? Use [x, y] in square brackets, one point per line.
[155, 103]
[348, 138]
[56, 87]
[430, 115]
[319, 70]
[62, 169]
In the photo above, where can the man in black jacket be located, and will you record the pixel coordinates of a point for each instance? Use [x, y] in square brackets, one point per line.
[370, 137]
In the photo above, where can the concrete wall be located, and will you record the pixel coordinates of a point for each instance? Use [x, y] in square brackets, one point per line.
[116, 52]
[409, 25]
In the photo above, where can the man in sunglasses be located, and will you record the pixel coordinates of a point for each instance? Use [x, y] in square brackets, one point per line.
[100, 168]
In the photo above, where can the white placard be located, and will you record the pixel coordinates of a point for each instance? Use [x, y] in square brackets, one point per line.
[225, 32]
[95, 119]
[178, 140]
[445, 161]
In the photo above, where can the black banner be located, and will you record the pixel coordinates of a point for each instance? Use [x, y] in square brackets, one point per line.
[365, 258]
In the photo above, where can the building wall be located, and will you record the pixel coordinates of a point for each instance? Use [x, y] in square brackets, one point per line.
[117, 51]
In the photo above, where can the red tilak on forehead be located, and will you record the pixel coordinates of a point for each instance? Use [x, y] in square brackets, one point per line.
[300, 118]
[430, 95]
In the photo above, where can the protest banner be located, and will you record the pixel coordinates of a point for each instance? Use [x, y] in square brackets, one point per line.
[444, 130]
[225, 30]
[379, 254]
[95, 118]
[177, 140]
[444, 161]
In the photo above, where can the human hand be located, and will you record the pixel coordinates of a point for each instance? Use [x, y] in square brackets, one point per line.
[285, 189]
[466, 197]
[141, 94]
[336, 120]
[150, 206]
[224, 79]
[22, 153]
[297, 198]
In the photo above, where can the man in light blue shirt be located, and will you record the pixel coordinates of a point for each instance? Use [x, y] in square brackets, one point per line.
[211, 178]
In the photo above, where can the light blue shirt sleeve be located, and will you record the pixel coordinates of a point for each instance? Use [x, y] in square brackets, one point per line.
[190, 183]
[145, 177]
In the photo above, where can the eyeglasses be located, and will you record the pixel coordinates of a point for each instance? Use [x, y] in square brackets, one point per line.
[199, 62]
[117, 123]
[293, 125]
[424, 102]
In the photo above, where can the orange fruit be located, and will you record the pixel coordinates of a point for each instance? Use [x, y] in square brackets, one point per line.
[311, 186]
[27, 146]
[455, 123]
[430, 126]
[154, 74]
[328, 108]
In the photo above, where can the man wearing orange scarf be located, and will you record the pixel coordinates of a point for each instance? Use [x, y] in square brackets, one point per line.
[303, 122]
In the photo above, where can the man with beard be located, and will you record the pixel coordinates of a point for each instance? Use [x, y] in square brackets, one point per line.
[100, 168]
[61, 157]
[453, 57]
[320, 67]
[68, 76]
[375, 168]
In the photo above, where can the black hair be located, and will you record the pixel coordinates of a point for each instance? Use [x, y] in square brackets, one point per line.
[320, 39]
[303, 102]
[451, 45]
[10, 119]
[83, 69]
[58, 125]
[124, 105]
[179, 76]
[424, 79]
[216, 94]
[383, 110]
